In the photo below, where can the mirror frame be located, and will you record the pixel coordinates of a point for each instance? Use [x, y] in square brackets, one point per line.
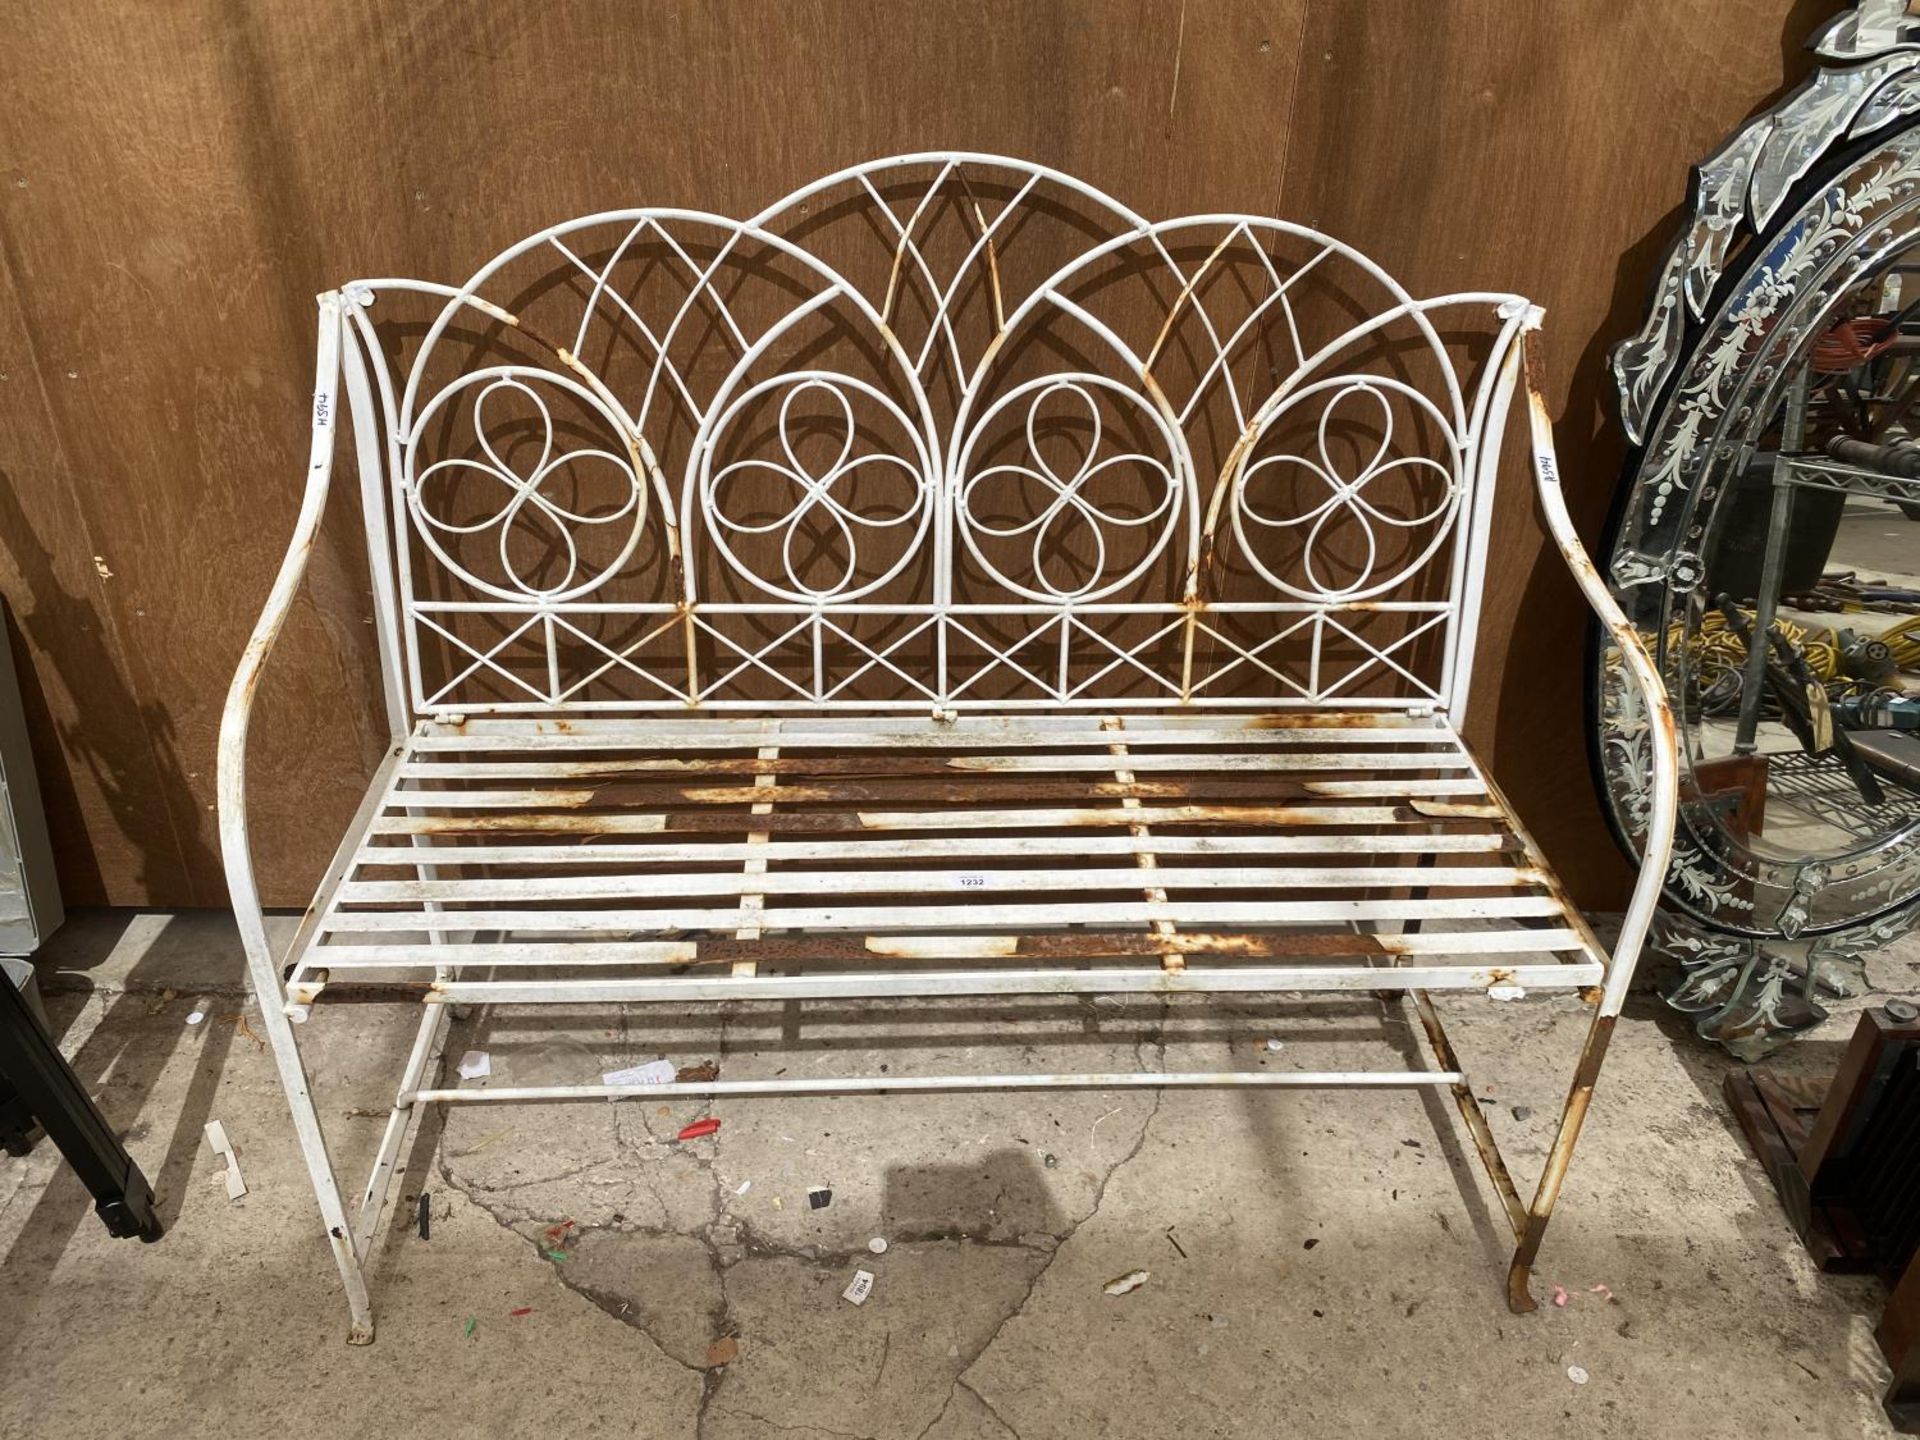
[1800, 206]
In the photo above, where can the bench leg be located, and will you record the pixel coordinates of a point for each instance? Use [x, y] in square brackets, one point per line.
[428, 1043]
[313, 1149]
[1520, 1274]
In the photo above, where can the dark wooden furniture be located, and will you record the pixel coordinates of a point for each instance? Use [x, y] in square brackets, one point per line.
[1845, 1159]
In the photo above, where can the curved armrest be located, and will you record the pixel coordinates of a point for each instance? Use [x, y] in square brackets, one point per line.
[1657, 850]
[235, 848]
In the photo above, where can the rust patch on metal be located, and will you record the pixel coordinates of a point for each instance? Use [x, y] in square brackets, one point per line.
[1454, 810]
[1535, 367]
[997, 788]
[531, 823]
[1331, 720]
[1075, 819]
[1470, 1112]
[1087, 946]
[1585, 1075]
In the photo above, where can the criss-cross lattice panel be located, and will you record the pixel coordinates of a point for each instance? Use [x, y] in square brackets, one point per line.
[945, 432]
[809, 857]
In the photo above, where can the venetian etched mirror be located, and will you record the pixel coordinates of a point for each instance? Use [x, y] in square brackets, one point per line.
[1768, 544]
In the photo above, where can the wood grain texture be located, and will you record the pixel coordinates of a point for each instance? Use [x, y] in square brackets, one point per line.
[194, 173]
[1541, 149]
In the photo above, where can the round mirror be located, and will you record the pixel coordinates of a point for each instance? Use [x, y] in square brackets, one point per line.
[1767, 544]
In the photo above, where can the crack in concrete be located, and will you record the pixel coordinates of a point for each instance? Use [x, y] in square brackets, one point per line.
[487, 1200]
[574, 1173]
[1159, 1043]
[798, 1429]
[986, 1405]
[722, 1313]
[750, 1243]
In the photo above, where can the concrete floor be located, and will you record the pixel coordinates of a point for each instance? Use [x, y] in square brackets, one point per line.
[1321, 1265]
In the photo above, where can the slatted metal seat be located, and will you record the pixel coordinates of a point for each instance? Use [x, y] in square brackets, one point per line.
[813, 858]
[945, 582]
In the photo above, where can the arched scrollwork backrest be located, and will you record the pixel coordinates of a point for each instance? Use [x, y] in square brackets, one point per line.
[940, 431]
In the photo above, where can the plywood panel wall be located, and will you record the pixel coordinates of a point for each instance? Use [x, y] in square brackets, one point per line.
[176, 182]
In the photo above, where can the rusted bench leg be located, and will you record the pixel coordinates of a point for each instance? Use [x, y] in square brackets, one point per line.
[1572, 1116]
[236, 848]
[1662, 812]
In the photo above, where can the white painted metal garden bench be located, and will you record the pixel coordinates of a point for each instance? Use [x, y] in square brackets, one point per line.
[754, 597]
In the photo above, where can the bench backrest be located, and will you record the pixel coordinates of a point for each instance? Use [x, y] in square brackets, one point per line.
[939, 432]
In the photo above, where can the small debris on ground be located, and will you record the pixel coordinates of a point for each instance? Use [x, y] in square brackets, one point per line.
[1179, 1249]
[1560, 1296]
[1577, 1375]
[699, 1128]
[194, 1017]
[479, 1145]
[1275, 1044]
[1411, 1144]
[559, 1257]
[697, 1074]
[723, 1351]
[819, 1198]
[1049, 1159]
[654, 1072]
[743, 1187]
[520, 1310]
[1603, 1291]
[473, 1324]
[223, 1147]
[474, 1065]
[1122, 1284]
[557, 1234]
[1523, 1113]
[859, 1288]
[426, 1217]
[244, 1030]
[1310, 1242]
[877, 1245]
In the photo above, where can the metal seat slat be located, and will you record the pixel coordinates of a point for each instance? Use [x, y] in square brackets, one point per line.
[1059, 946]
[806, 822]
[944, 917]
[1010, 789]
[925, 881]
[1085, 845]
[936, 763]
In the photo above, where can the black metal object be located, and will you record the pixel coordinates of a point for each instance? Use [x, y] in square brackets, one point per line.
[37, 1084]
[1813, 522]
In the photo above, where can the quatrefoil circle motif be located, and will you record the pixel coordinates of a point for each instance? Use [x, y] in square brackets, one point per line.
[1335, 501]
[562, 521]
[824, 482]
[1066, 506]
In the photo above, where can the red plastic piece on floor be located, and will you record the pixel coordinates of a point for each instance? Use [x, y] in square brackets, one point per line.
[523, 1310]
[699, 1128]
